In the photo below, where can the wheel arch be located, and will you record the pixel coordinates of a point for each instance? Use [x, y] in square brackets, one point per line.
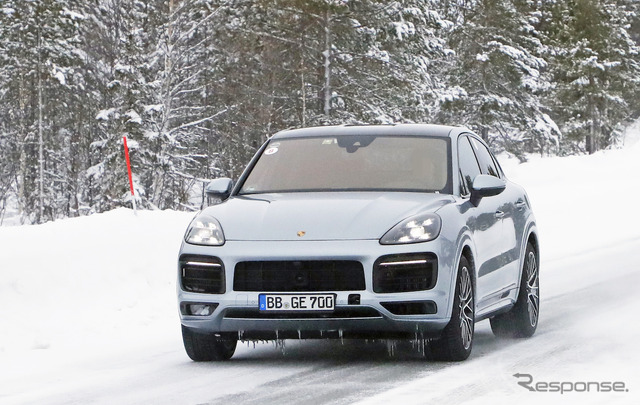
[531, 237]
[467, 253]
[465, 249]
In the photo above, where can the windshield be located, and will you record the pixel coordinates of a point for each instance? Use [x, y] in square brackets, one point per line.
[352, 163]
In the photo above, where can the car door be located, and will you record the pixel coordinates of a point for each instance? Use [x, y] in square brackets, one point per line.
[501, 274]
[517, 209]
[485, 224]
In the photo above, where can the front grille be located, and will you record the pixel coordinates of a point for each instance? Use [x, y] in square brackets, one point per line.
[404, 273]
[292, 276]
[202, 274]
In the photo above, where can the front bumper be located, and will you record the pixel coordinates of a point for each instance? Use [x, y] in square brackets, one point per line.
[237, 312]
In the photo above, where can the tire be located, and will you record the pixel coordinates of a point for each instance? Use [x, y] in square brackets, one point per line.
[208, 346]
[456, 341]
[522, 320]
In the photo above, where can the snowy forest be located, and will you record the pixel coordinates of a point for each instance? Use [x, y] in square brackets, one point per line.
[197, 86]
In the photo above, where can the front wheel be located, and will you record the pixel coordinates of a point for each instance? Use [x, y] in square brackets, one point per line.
[522, 320]
[208, 346]
[457, 338]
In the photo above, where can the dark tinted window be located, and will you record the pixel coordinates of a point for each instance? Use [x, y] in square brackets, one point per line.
[487, 165]
[468, 164]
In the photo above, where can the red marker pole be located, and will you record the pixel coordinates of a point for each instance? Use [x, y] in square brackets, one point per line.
[126, 156]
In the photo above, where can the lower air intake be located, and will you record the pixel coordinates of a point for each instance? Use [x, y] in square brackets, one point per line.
[411, 307]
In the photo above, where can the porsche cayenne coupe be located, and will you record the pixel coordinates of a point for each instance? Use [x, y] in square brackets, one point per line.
[405, 231]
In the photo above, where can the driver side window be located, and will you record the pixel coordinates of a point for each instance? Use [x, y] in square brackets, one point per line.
[487, 164]
[468, 163]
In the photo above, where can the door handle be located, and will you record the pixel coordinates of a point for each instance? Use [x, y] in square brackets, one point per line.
[499, 214]
[520, 204]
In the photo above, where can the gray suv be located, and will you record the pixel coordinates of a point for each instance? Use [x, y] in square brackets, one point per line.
[392, 232]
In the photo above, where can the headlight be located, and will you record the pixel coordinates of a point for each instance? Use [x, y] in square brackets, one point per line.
[420, 228]
[204, 230]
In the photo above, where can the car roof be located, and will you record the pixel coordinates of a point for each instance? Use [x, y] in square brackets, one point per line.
[390, 129]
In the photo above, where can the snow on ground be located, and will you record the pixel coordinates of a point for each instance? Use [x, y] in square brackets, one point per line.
[88, 312]
[87, 281]
[582, 202]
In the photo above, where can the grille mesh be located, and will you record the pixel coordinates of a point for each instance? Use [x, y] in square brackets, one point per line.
[292, 276]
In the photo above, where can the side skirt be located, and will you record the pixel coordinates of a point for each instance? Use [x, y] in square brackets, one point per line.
[497, 308]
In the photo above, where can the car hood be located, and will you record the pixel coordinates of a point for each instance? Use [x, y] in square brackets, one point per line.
[321, 216]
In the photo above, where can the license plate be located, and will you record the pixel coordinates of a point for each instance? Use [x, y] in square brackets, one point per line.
[297, 302]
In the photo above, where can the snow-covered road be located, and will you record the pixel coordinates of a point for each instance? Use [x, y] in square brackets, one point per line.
[583, 336]
[88, 314]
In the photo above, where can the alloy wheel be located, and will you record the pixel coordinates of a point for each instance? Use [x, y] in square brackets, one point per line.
[466, 308]
[533, 299]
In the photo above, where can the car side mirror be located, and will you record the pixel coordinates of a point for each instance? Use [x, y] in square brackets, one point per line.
[486, 186]
[219, 188]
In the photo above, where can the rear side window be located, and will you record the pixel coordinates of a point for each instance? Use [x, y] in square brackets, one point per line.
[487, 164]
[468, 165]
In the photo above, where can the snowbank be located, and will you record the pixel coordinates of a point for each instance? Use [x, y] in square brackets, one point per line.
[582, 202]
[89, 284]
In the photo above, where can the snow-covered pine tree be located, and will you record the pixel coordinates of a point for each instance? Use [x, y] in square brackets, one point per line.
[121, 56]
[383, 60]
[596, 69]
[8, 138]
[497, 76]
[40, 54]
[182, 111]
[198, 85]
[291, 63]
